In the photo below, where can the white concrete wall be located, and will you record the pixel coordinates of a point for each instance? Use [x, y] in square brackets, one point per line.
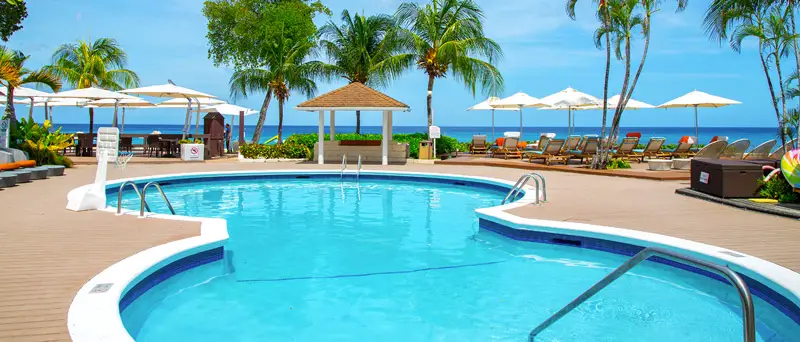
[333, 152]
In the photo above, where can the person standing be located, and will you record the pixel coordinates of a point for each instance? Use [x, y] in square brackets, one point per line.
[228, 137]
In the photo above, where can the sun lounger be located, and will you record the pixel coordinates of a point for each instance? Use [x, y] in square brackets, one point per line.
[539, 145]
[7, 180]
[683, 150]
[735, 150]
[21, 176]
[779, 152]
[478, 145]
[637, 135]
[26, 165]
[588, 150]
[571, 143]
[713, 150]
[761, 151]
[651, 150]
[550, 152]
[625, 149]
[508, 149]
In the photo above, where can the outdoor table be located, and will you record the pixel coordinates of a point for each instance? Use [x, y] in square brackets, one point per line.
[168, 145]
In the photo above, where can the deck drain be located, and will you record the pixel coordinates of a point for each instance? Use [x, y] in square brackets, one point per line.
[733, 254]
[101, 288]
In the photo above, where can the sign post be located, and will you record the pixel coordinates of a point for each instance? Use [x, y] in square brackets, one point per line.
[5, 129]
[434, 132]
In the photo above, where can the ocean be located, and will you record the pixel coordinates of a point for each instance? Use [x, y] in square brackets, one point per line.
[756, 135]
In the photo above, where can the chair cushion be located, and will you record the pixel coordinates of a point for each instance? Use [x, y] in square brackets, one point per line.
[9, 166]
[638, 150]
[26, 163]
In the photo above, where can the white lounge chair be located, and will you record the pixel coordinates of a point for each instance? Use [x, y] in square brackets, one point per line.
[761, 151]
[735, 150]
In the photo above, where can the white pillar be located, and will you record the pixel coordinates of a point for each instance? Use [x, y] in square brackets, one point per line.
[385, 140]
[333, 124]
[390, 125]
[321, 132]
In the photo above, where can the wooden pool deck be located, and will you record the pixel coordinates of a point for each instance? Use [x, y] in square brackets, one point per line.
[48, 253]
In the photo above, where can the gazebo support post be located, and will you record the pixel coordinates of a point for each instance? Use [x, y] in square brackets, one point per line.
[321, 138]
[333, 125]
[384, 139]
[390, 126]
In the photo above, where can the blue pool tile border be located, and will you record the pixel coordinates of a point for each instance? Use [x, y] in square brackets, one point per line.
[501, 188]
[171, 269]
[777, 300]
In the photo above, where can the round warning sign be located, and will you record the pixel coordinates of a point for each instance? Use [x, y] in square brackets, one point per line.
[194, 150]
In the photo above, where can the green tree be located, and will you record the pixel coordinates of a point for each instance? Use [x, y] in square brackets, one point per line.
[93, 64]
[244, 33]
[13, 73]
[12, 13]
[363, 49]
[447, 36]
[765, 21]
[284, 71]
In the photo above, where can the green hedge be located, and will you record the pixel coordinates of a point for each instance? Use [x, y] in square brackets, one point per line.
[445, 145]
[285, 150]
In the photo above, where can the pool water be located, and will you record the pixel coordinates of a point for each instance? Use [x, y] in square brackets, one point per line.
[389, 260]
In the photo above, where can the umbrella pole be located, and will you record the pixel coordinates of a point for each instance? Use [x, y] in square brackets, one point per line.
[197, 120]
[186, 119]
[520, 122]
[696, 128]
[492, 124]
[114, 121]
[122, 129]
[46, 114]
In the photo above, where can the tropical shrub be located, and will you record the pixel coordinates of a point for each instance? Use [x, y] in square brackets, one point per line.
[285, 150]
[778, 189]
[444, 145]
[618, 163]
[42, 145]
[190, 141]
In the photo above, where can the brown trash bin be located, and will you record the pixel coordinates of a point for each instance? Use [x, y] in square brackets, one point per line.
[726, 178]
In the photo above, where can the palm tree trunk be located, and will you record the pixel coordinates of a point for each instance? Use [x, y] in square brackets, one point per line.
[91, 120]
[10, 113]
[430, 100]
[641, 63]
[618, 112]
[783, 95]
[599, 161]
[772, 95]
[262, 116]
[280, 120]
[358, 122]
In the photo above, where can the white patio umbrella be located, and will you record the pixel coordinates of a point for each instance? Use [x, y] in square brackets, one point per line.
[60, 102]
[32, 96]
[174, 91]
[94, 94]
[486, 105]
[698, 99]
[518, 101]
[135, 102]
[570, 99]
[614, 101]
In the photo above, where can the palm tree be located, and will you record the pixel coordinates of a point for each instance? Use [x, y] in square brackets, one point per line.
[285, 70]
[363, 50]
[14, 74]
[93, 64]
[447, 36]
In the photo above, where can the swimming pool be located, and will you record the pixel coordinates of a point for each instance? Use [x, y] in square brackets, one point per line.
[405, 259]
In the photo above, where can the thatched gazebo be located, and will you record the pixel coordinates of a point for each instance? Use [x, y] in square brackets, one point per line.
[353, 97]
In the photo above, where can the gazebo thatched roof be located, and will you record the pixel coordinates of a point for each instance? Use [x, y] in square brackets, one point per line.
[354, 96]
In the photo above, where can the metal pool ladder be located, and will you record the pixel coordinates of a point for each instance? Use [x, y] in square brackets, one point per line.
[119, 196]
[517, 189]
[748, 315]
[144, 202]
[358, 171]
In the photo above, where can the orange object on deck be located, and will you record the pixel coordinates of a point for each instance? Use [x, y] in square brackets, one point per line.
[26, 163]
[9, 166]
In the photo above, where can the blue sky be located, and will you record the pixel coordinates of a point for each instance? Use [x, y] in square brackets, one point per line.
[545, 52]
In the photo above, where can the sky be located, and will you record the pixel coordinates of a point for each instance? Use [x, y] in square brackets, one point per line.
[544, 52]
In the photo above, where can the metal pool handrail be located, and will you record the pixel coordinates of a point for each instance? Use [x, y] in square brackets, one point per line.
[119, 196]
[517, 188]
[344, 166]
[144, 202]
[748, 315]
[358, 171]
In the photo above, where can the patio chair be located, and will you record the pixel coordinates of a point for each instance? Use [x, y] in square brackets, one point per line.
[126, 144]
[761, 151]
[713, 150]
[508, 149]
[478, 145]
[153, 144]
[85, 145]
[779, 152]
[625, 149]
[587, 150]
[683, 150]
[571, 143]
[735, 150]
[651, 150]
[543, 139]
[550, 152]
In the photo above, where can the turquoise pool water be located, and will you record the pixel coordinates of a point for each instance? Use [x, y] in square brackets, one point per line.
[389, 260]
